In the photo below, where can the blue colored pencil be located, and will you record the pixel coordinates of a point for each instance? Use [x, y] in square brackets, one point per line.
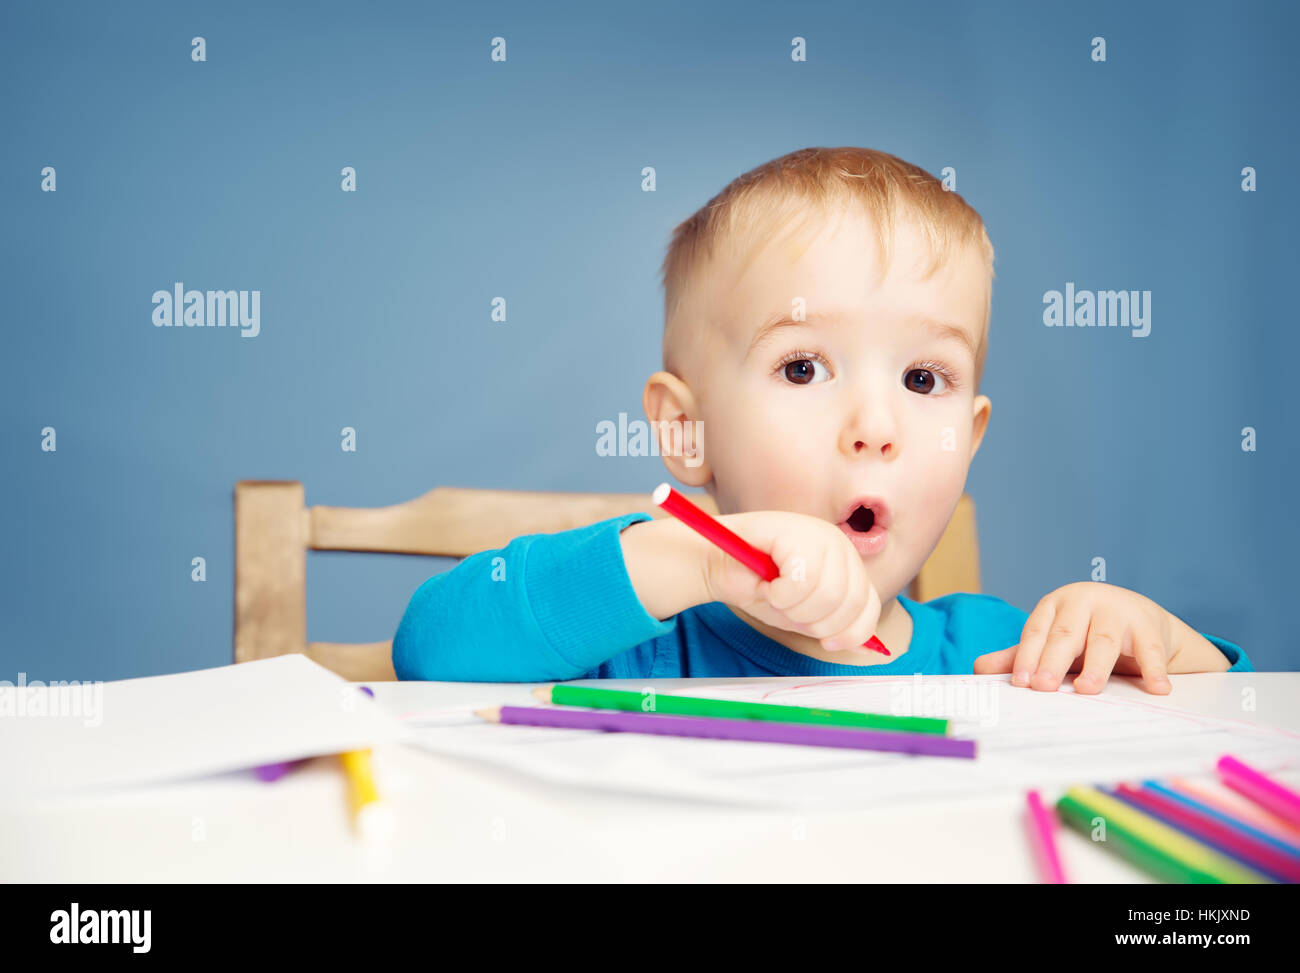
[1286, 849]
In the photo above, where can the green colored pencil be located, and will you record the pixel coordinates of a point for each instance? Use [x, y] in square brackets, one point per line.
[631, 701]
[1153, 846]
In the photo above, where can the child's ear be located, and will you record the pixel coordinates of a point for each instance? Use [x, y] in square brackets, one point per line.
[670, 406]
[979, 422]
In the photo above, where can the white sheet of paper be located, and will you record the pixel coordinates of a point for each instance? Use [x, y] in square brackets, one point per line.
[183, 725]
[1024, 739]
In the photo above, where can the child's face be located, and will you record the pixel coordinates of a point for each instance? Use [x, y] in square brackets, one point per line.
[861, 400]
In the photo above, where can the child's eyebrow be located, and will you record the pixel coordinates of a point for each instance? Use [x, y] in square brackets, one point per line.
[940, 329]
[774, 324]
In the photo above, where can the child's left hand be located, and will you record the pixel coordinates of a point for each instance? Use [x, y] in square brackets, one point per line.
[1111, 629]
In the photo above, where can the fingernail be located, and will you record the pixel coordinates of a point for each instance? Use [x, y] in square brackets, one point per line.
[1020, 679]
[830, 645]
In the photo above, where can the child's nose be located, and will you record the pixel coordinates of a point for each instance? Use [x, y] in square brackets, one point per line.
[864, 434]
[861, 446]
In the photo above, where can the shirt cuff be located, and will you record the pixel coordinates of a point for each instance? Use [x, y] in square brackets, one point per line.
[583, 599]
[1237, 659]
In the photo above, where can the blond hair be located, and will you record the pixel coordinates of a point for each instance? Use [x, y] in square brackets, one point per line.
[755, 205]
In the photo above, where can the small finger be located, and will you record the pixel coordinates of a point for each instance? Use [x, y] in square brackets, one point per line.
[994, 662]
[1065, 640]
[795, 584]
[832, 586]
[856, 597]
[1032, 638]
[1105, 642]
[861, 629]
[1150, 654]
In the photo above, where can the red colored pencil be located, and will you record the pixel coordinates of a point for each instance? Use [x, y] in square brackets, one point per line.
[739, 548]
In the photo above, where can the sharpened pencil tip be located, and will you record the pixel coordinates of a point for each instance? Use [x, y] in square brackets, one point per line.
[543, 693]
[492, 713]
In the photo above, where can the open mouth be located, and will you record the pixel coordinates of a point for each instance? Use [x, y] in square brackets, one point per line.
[862, 519]
[867, 525]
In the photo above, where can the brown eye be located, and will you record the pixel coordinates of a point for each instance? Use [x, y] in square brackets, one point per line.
[922, 381]
[803, 371]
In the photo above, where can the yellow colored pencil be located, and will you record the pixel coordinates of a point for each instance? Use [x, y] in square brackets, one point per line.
[370, 815]
[1150, 843]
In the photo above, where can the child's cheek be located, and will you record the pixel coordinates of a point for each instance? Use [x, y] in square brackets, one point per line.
[761, 457]
[784, 436]
[937, 479]
[787, 467]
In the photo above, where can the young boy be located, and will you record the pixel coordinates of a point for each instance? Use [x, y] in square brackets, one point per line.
[826, 320]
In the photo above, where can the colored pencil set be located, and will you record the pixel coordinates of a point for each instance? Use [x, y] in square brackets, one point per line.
[664, 714]
[1178, 832]
[1175, 831]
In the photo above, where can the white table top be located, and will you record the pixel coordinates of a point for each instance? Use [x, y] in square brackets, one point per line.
[460, 821]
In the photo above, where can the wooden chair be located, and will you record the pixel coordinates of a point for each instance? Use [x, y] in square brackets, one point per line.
[274, 530]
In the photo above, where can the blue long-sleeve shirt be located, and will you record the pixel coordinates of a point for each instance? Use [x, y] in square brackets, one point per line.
[550, 607]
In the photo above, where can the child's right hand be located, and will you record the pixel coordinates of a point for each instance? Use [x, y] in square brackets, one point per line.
[823, 592]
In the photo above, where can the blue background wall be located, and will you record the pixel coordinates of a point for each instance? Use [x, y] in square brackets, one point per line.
[522, 179]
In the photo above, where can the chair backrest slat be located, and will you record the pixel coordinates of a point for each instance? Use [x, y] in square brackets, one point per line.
[457, 522]
[270, 569]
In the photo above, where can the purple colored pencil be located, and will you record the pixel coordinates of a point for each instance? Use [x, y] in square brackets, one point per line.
[273, 772]
[759, 731]
[1215, 834]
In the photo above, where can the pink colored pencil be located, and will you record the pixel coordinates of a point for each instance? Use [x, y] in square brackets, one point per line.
[1230, 803]
[1042, 826]
[731, 542]
[1263, 790]
[1214, 833]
